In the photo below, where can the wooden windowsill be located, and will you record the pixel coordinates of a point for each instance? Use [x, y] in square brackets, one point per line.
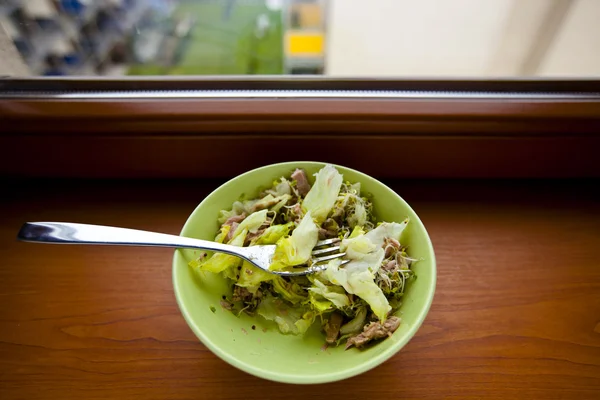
[515, 312]
[216, 137]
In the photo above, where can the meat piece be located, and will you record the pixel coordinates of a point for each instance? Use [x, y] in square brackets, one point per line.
[373, 331]
[265, 203]
[325, 234]
[332, 327]
[389, 250]
[233, 221]
[394, 242]
[296, 213]
[234, 226]
[226, 305]
[235, 218]
[301, 182]
[391, 246]
[390, 266]
[329, 229]
[253, 235]
[241, 294]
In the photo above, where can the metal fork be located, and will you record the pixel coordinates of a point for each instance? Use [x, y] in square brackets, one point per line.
[259, 256]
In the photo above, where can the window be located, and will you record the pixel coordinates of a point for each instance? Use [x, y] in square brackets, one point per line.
[337, 38]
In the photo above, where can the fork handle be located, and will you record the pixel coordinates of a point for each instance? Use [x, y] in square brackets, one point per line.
[69, 233]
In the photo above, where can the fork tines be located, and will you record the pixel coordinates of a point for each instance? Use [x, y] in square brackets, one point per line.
[328, 249]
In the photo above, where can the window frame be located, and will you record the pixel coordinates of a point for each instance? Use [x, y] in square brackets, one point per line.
[448, 128]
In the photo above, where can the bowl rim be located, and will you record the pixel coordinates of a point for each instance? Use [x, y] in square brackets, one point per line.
[297, 378]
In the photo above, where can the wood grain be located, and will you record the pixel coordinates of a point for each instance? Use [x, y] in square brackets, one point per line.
[516, 312]
[221, 137]
[219, 156]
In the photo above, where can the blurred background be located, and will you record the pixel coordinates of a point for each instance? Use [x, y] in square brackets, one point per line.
[339, 38]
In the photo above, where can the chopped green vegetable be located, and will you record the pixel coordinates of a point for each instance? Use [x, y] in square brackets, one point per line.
[357, 277]
[350, 301]
[220, 238]
[357, 247]
[219, 262]
[321, 198]
[290, 291]
[290, 319]
[296, 249]
[251, 223]
[334, 294]
[251, 277]
[356, 324]
[273, 233]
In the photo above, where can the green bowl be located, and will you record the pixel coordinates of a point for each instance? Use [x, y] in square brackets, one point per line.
[255, 345]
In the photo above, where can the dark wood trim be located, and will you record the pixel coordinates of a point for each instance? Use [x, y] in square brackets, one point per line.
[298, 82]
[218, 138]
[219, 156]
[341, 116]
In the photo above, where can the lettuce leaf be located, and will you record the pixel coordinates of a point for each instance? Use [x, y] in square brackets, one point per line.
[359, 216]
[319, 304]
[268, 202]
[290, 319]
[357, 247]
[386, 230]
[356, 324]
[220, 238]
[283, 200]
[219, 262]
[334, 294]
[251, 277]
[296, 249]
[237, 209]
[356, 232]
[290, 291]
[283, 187]
[273, 233]
[358, 278]
[322, 196]
[250, 224]
[366, 255]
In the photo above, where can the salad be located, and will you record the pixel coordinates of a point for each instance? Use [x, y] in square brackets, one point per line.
[354, 302]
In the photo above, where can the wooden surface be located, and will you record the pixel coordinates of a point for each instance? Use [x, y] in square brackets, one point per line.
[463, 133]
[516, 312]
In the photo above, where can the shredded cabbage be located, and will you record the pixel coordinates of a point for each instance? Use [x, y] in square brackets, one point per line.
[290, 319]
[358, 278]
[296, 249]
[251, 223]
[356, 324]
[219, 262]
[319, 304]
[251, 277]
[364, 290]
[236, 209]
[359, 216]
[386, 230]
[273, 233]
[220, 238]
[322, 196]
[335, 294]
[357, 247]
[292, 292]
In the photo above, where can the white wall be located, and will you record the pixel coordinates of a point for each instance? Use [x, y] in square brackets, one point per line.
[478, 38]
[413, 37]
[528, 27]
[576, 49]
